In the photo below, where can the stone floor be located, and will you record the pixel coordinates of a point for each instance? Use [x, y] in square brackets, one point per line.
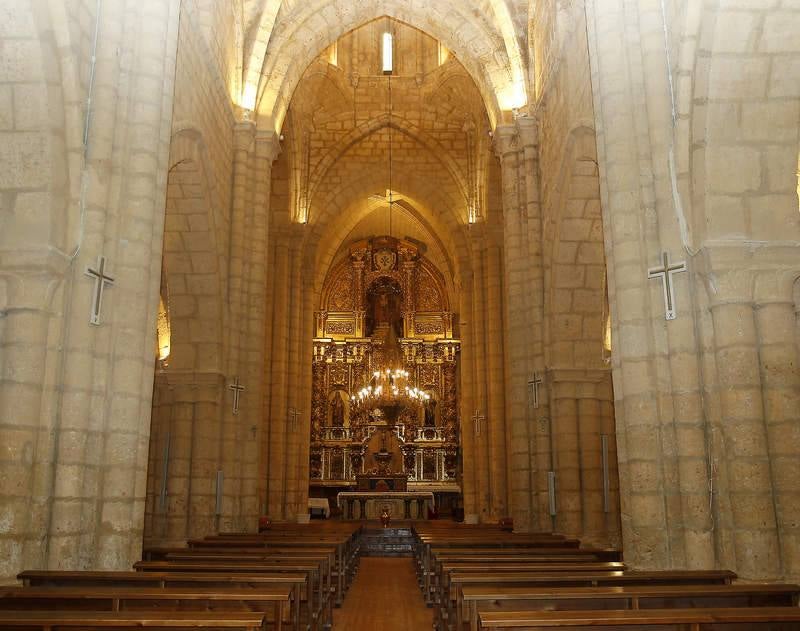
[384, 597]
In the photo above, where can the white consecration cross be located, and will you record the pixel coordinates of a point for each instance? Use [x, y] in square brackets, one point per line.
[294, 414]
[101, 279]
[477, 419]
[237, 388]
[665, 273]
[533, 386]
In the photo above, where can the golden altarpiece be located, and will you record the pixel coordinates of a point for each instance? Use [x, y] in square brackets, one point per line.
[385, 307]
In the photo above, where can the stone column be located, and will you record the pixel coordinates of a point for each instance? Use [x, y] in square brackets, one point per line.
[234, 432]
[507, 146]
[469, 351]
[497, 426]
[301, 307]
[591, 470]
[566, 459]
[277, 378]
[266, 150]
[104, 410]
[628, 199]
[479, 371]
[747, 520]
[538, 419]
[304, 396]
[780, 379]
[28, 283]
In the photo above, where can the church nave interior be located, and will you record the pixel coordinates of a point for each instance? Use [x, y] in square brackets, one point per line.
[495, 288]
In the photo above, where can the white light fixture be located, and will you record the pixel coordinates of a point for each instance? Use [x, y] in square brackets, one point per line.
[388, 53]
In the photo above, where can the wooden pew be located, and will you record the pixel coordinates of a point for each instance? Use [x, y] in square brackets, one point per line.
[325, 558]
[317, 593]
[752, 619]
[512, 564]
[453, 609]
[269, 603]
[343, 555]
[297, 582]
[346, 543]
[499, 540]
[47, 620]
[479, 599]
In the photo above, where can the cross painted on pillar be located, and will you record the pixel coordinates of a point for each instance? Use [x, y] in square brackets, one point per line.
[477, 419]
[665, 273]
[294, 414]
[237, 389]
[533, 386]
[101, 279]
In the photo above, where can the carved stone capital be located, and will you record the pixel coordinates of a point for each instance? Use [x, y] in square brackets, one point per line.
[244, 133]
[268, 145]
[528, 129]
[748, 272]
[506, 141]
[30, 277]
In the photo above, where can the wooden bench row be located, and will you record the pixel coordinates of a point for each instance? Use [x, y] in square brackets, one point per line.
[480, 579]
[283, 579]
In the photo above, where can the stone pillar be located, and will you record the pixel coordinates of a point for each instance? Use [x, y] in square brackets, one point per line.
[538, 419]
[300, 307]
[591, 470]
[304, 395]
[516, 332]
[628, 198]
[566, 460]
[497, 426]
[780, 379]
[748, 525]
[469, 402]
[104, 408]
[479, 371]
[29, 282]
[277, 378]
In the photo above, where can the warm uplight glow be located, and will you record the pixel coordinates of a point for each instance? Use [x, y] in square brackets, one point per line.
[388, 54]
[607, 334]
[164, 330]
[333, 54]
[444, 54]
[249, 96]
[472, 213]
[513, 96]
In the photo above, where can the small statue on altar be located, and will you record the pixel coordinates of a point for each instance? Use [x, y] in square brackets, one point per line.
[430, 412]
[337, 410]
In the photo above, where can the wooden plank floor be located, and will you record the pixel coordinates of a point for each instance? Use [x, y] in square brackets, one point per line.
[383, 597]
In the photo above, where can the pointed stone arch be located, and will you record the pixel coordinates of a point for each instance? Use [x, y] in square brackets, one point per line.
[400, 124]
[486, 44]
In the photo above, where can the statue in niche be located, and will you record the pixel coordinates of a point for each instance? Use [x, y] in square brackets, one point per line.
[384, 300]
[430, 412]
[337, 410]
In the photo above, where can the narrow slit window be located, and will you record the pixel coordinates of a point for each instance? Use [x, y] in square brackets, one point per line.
[444, 54]
[388, 53]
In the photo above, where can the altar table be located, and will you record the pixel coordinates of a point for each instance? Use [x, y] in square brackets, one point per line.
[371, 503]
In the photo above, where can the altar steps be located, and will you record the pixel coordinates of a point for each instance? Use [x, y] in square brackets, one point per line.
[387, 542]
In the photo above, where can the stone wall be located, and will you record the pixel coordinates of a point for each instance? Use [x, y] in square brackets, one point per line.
[688, 166]
[215, 235]
[76, 397]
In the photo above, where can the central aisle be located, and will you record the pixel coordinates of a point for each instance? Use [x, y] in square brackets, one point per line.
[383, 597]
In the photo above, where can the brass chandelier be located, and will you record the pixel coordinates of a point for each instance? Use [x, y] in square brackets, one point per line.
[389, 388]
